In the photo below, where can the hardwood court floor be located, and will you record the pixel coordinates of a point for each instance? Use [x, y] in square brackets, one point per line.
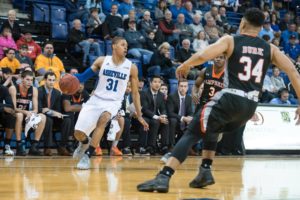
[255, 177]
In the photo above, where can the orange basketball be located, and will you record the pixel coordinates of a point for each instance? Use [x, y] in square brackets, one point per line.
[69, 84]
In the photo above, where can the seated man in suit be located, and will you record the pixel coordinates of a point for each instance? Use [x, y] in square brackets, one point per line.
[155, 113]
[180, 111]
[50, 105]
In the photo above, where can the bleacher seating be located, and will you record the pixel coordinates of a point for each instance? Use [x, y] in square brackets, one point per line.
[59, 31]
[40, 12]
[57, 14]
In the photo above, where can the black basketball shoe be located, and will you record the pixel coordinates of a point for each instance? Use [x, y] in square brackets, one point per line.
[160, 184]
[204, 178]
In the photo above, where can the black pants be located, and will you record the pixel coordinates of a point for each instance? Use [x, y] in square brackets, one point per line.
[174, 129]
[7, 120]
[65, 127]
[149, 139]
[126, 132]
[224, 113]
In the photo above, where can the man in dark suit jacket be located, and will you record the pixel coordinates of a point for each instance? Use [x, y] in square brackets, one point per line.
[50, 105]
[155, 113]
[180, 111]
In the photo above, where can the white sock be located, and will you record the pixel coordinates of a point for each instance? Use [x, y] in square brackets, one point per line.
[115, 143]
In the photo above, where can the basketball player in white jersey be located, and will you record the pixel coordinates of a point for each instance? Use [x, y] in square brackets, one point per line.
[114, 73]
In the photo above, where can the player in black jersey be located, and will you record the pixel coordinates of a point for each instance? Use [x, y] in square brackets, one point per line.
[25, 100]
[212, 79]
[248, 60]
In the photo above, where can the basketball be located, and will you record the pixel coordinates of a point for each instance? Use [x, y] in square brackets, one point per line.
[69, 84]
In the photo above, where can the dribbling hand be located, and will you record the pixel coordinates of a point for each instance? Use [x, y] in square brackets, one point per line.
[182, 71]
[144, 123]
[297, 116]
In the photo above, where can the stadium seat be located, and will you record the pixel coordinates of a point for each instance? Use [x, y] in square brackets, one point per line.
[102, 47]
[146, 59]
[173, 84]
[40, 12]
[138, 63]
[108, 49]
[59, 31]
[58, 14]
[172, 52]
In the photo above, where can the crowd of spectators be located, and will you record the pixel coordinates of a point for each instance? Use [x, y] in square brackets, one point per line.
[167, 35]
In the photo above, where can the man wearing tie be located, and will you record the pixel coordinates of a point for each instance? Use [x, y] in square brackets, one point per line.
[180, 111]
[50, 105]
[155, 113]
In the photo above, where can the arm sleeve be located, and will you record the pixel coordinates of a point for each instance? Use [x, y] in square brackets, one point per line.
[87, 74]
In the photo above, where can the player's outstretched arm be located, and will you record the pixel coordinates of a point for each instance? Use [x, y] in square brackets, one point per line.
[91, 71]
[284, 63]
[136, 95]
[223, 45]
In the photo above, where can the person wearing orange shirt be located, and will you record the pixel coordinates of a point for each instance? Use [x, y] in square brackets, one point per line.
[48, 61]
[10, 61]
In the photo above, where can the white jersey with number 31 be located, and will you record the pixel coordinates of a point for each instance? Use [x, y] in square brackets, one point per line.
[113, 80]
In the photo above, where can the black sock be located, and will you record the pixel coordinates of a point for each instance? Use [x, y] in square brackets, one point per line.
[85, 141]
[34, 141]
[206, 163]
[19, 142]
[168, 171]
[7, 141]
[90, 151]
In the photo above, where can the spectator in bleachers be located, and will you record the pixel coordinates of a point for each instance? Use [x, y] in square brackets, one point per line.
[25, 100]
[169, 30]
[184, 53]
[292, 48]
[283, 97]
[197, 25]
[212, 30]
[155, 113]
[214, 13]
[161, 62]
[160, 10]
[267, 30]
[94, 24]
[50, 105]
[268, 90]
[180, 111]
[7, 118]
[106, 5]
[277, 80]
[285, 22]
[189, 12]
[146, 24]
[90, 4]
[125, 7]
[200, 42]
[135, 42]
[10, 61]
[151, 45]
[274, 22]
[176, 9]
[23, 57]
[141, 83]
[48, 61]
[33, 48]
[6, 77]
[131, 17]
[223, 17]
[186, 31]
[6, 41]
[12, 25]
[72, 105]
[285, 36]
[76, 10]
[78, 40]
[113, 25]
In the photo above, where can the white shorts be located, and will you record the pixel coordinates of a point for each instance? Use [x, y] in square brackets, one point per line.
[91, 112]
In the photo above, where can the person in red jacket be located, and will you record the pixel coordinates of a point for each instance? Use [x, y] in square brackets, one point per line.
[33, 48]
